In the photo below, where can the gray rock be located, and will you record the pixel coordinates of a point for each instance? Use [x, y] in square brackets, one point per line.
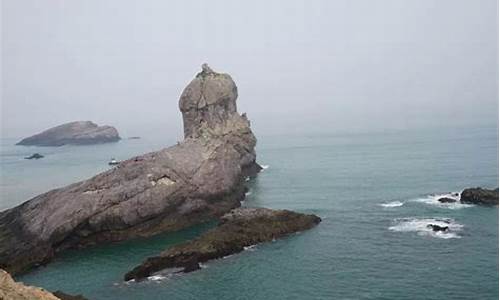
[74, 133]
[200, 178]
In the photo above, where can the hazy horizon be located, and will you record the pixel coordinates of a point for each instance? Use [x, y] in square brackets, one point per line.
[322, 66]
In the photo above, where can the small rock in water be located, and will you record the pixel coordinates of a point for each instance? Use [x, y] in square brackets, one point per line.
[435, 227]
[446, 200]
[34, 156]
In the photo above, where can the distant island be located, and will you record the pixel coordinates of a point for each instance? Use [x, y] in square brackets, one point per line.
[73, 133]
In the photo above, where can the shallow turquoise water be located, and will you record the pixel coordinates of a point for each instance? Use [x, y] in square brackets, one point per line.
[361, 250]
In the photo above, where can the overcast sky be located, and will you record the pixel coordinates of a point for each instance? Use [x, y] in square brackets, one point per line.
[313, 66]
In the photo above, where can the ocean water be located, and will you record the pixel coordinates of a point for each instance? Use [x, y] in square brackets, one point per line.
[375, 192]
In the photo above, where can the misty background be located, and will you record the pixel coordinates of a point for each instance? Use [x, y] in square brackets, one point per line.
[300, 66]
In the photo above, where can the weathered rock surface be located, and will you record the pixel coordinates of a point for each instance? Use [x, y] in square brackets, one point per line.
[11, 290]
[73, 133]
[479, 196]
[242, 227]
[200, 178]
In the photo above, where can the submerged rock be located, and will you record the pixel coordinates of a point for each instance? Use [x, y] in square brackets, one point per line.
[238, 229]
[447, 200]
[194, 181]
[34, 156]
[479, 196]
[74, 133]
[63, 296]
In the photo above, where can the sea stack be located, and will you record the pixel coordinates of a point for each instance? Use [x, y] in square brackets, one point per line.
[73, 133]
[196, 180]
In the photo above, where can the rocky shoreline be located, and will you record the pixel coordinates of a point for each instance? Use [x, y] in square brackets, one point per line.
[11, 290]
[240, 228]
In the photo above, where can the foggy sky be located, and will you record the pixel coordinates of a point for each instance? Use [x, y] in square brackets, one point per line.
[311, 66]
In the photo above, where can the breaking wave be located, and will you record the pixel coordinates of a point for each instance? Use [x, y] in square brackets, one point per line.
[420, 226]
[392, 204]
[433, 199]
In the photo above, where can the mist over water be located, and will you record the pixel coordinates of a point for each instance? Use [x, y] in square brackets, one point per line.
[330, 66]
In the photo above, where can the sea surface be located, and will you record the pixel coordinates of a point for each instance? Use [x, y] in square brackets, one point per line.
[375, 192]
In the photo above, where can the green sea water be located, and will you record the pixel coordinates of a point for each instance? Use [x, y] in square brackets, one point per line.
[375, 193]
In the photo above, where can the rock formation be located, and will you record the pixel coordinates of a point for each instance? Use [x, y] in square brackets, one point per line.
[479, 196]
[240, 228]
[11, 290]
[436, 228]
[74, 133]
[447, 200]
[194, 181]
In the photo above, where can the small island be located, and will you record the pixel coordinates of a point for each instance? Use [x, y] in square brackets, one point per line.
[73, 133]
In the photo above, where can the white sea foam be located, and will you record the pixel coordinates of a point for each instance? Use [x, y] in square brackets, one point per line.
[392, 204]
[420, 227]
[203, 266]
[248, 193]
[433, 199]
[265, 167]
[156, 277]
[250, 248]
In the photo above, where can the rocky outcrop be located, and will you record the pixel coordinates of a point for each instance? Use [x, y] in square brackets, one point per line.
[194, 181]
[74, 133]
[11, 290]
[238, 229]
[479, 196]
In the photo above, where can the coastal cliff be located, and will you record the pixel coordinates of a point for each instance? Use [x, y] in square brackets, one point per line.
[198, 179]
[73, 133]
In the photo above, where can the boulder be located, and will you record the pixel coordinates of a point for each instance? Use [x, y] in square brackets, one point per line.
[73, 133]
[240, 228]
[198, 179]
[479, 196]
